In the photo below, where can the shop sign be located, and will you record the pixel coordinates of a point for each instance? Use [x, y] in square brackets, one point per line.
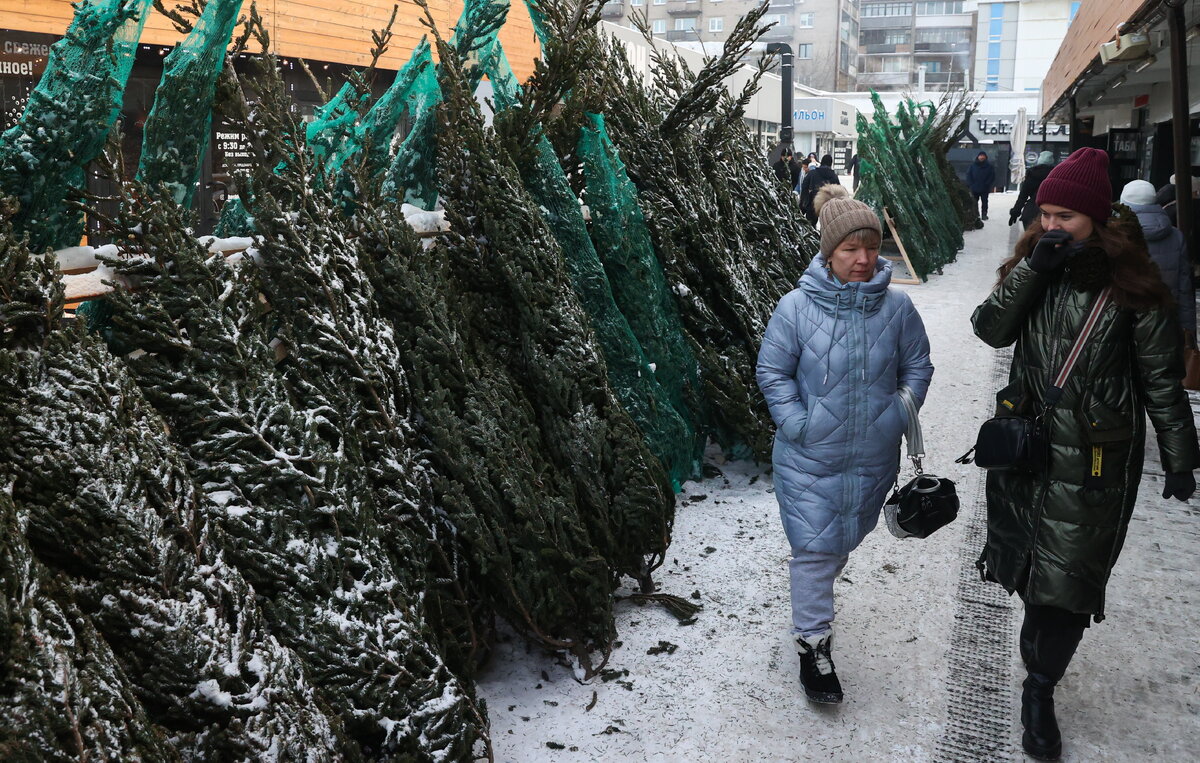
[1001, 127]
[23, 57]
[231, 149]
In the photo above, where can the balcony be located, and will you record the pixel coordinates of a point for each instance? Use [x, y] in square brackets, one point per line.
[892, 48]
[781, 5]
[612, 9]
[683, 8]
[779, 33]
[680, 35]
[884, 79]
[942, 47]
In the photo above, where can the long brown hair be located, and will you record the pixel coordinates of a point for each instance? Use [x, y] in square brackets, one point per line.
[1135, 281]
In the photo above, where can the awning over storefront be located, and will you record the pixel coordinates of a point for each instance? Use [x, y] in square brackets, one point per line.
[1141, 74]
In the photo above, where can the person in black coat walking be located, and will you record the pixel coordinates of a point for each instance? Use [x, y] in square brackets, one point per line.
[1026, 207]
[981, 178]
[813, 181]
[783, 167]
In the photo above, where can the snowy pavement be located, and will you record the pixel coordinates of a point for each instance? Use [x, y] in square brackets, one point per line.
[926, 654]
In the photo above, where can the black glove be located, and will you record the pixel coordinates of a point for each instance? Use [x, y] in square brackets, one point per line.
[1051, 251]
[1012, 217]
[1179, 485]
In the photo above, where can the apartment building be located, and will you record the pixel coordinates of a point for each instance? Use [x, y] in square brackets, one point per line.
[823, 34]
[904, 45]
[1016, 42]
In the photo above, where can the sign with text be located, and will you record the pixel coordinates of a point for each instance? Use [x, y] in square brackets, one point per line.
[23, 55]
[231, 152]
[1000, 127]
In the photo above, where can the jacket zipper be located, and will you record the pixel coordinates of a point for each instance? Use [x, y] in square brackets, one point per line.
[1040, 507]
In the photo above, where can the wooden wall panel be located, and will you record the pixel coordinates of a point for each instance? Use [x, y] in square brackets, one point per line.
[338, 31]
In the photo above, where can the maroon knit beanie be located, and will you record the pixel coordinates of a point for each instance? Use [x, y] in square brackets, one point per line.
[1080, 183]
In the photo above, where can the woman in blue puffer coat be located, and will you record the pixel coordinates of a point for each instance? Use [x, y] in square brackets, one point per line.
[838, 353]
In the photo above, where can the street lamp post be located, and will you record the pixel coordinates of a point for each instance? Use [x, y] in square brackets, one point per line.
[786, 67]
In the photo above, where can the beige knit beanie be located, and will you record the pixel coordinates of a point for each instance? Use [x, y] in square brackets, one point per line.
[840, 216]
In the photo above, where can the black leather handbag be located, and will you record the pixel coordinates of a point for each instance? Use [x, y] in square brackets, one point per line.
[1012, 441]
[927, 502]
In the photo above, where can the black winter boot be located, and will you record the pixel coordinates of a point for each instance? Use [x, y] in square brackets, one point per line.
[817, 674]
[1049, 637]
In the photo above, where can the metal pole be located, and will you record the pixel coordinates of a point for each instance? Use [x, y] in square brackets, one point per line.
[786, 69]
[1181, 122]
[1074, 116]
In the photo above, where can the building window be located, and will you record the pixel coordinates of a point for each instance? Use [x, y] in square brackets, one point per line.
[636, 3]
[684, 24]
[993, 67]
[932, 67]
[894, 64]
[659, 26]
[939, 8]
[1073, 11]
[887, 9]
[804, 50]
[660, 2]
[886, 37]
[941, 34]
[804, 20]
[775, 18]
[716, 23]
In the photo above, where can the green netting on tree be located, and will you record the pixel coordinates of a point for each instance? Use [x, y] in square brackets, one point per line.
[659, 411]
[333, 134]
[636, 276]
[413, 174]
[234, 220]
[900, 172]
[178, 128]
[729, 240]
[374, 131]
[67, 119]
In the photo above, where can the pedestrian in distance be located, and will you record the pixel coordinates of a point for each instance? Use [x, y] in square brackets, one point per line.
[813, 182]
[794, 168]
[1169, 251]
[839, 352]
[1026, 207]
[852, 168]
[783, 168]
[805, 166]
[1054, 531]
[1166, 198]
[981, 178]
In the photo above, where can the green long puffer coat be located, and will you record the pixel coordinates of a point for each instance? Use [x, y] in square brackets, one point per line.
[1054, 537]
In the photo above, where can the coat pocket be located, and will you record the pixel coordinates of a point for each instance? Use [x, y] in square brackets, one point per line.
[1105, 424]
[793, 427]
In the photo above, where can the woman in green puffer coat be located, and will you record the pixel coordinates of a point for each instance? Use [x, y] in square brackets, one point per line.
[1053, 536]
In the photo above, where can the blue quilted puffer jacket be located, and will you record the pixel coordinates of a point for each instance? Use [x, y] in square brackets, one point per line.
[831, 365]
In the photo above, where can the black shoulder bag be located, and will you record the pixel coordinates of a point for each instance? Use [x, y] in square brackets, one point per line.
[927, 502]
[1021, 442]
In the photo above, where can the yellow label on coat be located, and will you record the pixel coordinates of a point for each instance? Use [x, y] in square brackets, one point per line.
[1097, 460]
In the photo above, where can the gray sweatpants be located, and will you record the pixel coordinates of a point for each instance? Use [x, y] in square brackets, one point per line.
[812, 577]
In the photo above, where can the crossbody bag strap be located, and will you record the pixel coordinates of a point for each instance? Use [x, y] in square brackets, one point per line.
[1055, 390]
